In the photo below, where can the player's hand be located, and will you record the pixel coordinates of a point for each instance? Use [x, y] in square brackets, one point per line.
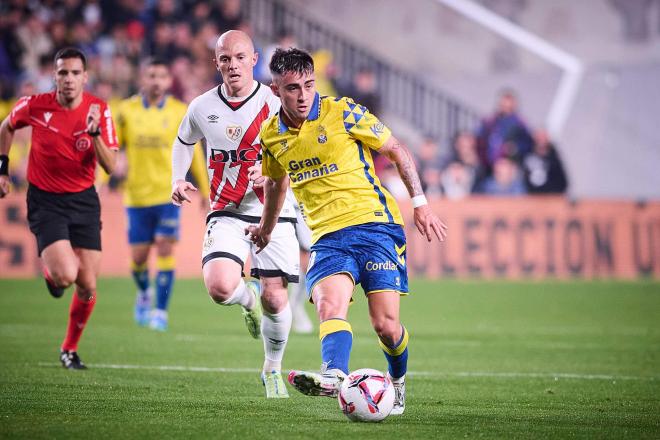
[5, 185]
[258, 237]
[179, 192]
[93, 118]
[254, 174]
[428, 224]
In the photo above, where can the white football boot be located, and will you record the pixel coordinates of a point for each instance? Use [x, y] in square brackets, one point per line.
[326, 383]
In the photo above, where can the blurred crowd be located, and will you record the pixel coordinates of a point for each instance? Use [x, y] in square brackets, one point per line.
[116, 36]
[502, 157]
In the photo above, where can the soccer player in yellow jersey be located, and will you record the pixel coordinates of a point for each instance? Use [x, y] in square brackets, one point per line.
[322, 145]
[146, 124]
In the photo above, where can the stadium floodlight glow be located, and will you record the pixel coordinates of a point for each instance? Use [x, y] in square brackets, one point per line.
[571, 65]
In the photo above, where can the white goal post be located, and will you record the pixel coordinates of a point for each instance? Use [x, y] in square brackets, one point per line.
[571, 65]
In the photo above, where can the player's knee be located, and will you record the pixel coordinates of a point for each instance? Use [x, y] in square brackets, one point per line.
[164, 246]
[329, 307]
[274, 300]
[86, 285]
[63, 277]
[220, 290]
[387, 329]
[139, 261]
[219, 295]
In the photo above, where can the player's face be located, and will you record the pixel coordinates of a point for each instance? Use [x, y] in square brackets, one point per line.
[70, 78]
[156, 80]
[235, 60]
[296, 92]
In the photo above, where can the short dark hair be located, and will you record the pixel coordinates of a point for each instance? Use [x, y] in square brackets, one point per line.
[291, 60]
[155, 61]
[71, 52]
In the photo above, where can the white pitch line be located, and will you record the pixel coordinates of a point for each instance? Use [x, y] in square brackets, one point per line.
[555, 376]
[163, 368]
[512, 375]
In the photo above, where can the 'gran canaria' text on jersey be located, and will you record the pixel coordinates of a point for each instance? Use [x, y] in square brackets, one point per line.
[309, 168]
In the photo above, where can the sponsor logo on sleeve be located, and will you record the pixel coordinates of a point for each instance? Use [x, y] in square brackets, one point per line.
[378, 129]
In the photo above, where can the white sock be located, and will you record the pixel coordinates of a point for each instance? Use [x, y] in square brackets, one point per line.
[275, 331]
[147, 293]
[398, 380]
[242, 295]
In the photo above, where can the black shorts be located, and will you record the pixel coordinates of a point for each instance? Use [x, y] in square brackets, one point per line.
[75, 217]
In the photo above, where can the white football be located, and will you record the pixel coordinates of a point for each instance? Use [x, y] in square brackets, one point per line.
[366, 395]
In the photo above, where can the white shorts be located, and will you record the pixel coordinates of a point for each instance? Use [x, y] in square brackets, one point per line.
[302, 230]
[225, 238]
[303, 233]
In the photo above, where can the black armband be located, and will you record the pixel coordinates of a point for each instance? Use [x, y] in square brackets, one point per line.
[4, 165]
[95, 133]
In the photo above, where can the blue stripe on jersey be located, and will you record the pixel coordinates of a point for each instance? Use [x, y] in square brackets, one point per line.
[371, 180]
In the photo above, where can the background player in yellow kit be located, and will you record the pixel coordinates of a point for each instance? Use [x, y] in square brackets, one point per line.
[146, 124]
[322, 145]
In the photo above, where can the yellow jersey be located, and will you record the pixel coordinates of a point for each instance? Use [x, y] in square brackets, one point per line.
[330, 167]
[146, 133]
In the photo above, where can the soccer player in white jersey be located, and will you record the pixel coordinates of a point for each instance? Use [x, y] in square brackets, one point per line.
[229, 117]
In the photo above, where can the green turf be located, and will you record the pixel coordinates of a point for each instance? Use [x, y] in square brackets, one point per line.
[493, 360]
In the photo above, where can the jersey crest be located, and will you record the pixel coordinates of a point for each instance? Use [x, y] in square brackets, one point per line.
[234, 132]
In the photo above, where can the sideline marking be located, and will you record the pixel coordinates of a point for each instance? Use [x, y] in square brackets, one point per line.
[512, 375]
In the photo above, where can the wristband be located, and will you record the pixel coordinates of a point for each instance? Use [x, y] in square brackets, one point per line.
[418, 201]
[4, 165]
[95, 133]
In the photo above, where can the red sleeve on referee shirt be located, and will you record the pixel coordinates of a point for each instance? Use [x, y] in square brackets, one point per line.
[108, 127]
[20, 114]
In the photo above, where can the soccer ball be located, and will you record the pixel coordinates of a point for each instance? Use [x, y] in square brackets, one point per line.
[366, 395]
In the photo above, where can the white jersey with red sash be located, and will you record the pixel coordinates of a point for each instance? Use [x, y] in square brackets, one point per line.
[231, 130]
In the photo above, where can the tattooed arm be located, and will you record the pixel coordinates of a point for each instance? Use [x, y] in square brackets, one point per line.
[400, 156]
[425, 220]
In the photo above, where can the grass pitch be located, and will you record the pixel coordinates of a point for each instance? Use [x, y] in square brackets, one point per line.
[487, 360]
